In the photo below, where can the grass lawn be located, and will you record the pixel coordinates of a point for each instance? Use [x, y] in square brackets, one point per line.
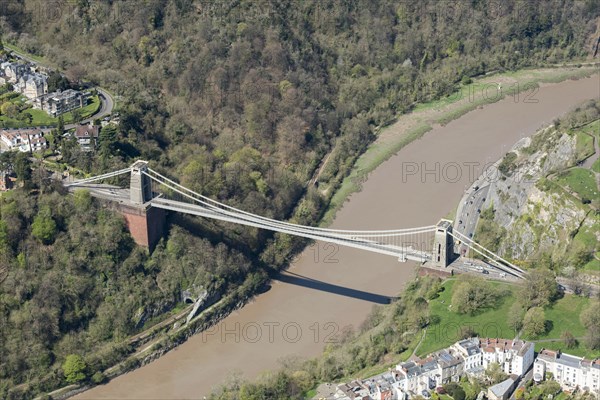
[42, 118]
[596, 166]
[592, 266]
[593, 128]
[584, 144]
[587, 234]
[580, 180]
[490, 323]
[564, 315]
[86, 111]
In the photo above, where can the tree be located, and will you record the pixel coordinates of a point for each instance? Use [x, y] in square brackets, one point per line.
[23, 168]
[455, 390]
[472, 294]
[515, 316]
[76, 113]
[98, 378]
[495, 373]
[9, 109]
[60, 128]
[108, 137]
[44, 227]
[56, 81]
[534, 322]
[74, 369]
[568, 339]
[520, 393]
[540, 288]
[590, 318]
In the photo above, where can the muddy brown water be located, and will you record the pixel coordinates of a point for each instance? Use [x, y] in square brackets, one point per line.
[329, 288]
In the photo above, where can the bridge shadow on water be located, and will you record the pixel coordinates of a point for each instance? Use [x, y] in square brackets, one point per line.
[301, 280]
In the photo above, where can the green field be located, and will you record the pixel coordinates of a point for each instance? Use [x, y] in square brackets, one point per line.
[584, 144]
[592, 128]
[596, 166]
[490, 323]
[561, 316]
[580, 180]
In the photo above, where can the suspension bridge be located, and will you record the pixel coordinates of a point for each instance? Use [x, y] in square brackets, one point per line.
[150, 194]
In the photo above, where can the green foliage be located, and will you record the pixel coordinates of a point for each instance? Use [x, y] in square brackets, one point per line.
[507, 165]
[590, 318]
[56, 81]
[495, 374]
[245, 108]
[83, 293]
[568, 339]
[534, 322]
[82, 200]
[455, 390]
[74, 369]
[473, 294]
[98, 378]
[540, 288]
[515, 316]
[44, 227]
[23, 168]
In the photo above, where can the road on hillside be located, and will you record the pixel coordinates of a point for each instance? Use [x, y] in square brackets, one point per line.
[107, 105]
[469, 214]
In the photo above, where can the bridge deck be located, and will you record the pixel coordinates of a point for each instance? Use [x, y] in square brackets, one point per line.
[106, 192]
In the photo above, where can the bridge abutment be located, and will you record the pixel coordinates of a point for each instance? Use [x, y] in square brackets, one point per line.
[146, 223]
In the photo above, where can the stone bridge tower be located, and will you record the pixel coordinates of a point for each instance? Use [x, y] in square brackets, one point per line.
[146, 223]
[140, 186]
[443, 244]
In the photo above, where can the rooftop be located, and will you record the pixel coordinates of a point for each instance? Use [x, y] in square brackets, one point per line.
[567, 359]
[84, 131]
[503, 387]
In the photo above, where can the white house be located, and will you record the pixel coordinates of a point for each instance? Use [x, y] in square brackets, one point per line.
[24, 139]
[471, 353]
[514, 356]
[569, 371]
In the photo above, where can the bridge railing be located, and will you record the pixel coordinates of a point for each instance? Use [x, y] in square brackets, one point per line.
[97, 178]
[500, 262]
[221, 207]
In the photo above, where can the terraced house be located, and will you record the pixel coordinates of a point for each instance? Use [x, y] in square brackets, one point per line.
[571, 372]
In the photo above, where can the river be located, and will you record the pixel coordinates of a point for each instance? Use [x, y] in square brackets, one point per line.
[329, 288]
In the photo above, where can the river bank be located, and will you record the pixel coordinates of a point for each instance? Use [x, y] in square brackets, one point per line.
[342, 286]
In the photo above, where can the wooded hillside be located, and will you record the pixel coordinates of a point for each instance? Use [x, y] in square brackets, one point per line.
[240, 101]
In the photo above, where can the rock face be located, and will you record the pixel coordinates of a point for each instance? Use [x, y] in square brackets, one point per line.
[536, 218]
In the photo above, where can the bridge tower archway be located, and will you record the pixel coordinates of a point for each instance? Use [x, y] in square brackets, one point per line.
[140, 185]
